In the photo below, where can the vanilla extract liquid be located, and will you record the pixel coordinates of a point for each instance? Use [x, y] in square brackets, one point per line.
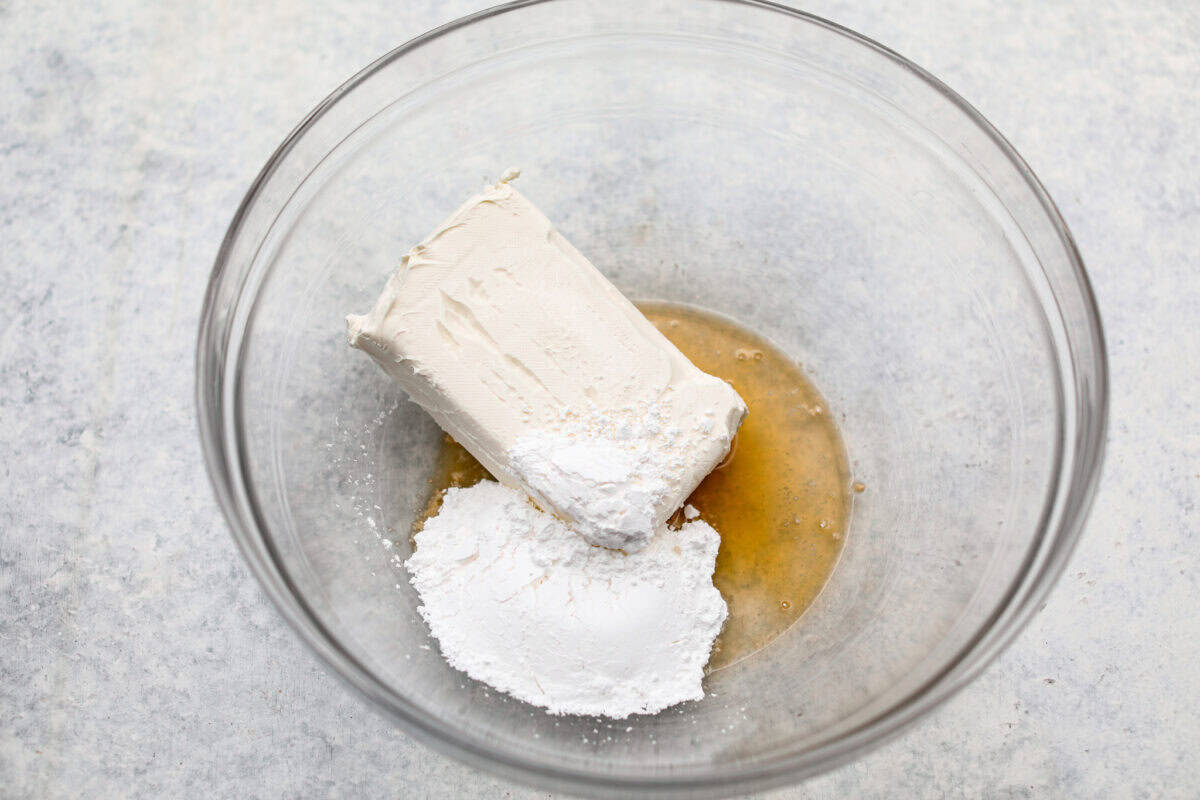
[780, 500]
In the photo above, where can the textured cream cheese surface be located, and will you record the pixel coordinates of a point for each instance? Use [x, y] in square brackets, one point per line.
[531, 359]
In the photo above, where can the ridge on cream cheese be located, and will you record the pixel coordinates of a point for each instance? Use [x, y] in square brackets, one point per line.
[532, 360]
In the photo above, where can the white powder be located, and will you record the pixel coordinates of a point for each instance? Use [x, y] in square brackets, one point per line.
[610, 487]
[619, 474]
[518, 600]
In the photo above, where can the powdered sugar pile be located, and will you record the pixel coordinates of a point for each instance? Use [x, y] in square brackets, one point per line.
[518, 600]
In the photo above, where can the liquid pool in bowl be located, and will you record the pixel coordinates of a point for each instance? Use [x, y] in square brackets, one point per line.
[780, 499]
[734, 156]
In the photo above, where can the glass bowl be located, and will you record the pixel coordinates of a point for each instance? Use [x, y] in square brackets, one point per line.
[737, 156]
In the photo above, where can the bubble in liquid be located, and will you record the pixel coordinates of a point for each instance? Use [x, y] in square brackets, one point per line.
[747, 353]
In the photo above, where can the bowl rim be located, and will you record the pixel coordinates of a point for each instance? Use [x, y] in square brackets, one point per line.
[1048, 554]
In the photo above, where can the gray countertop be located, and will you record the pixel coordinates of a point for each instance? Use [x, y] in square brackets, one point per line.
[139, 658]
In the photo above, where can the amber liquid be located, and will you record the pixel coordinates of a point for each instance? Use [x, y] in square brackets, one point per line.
[780, 500]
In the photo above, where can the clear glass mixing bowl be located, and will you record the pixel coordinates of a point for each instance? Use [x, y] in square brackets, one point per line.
[741, 157]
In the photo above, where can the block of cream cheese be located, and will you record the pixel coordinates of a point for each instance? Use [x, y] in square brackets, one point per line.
[531, 359]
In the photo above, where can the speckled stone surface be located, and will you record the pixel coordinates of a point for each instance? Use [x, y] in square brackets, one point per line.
[139, 658]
